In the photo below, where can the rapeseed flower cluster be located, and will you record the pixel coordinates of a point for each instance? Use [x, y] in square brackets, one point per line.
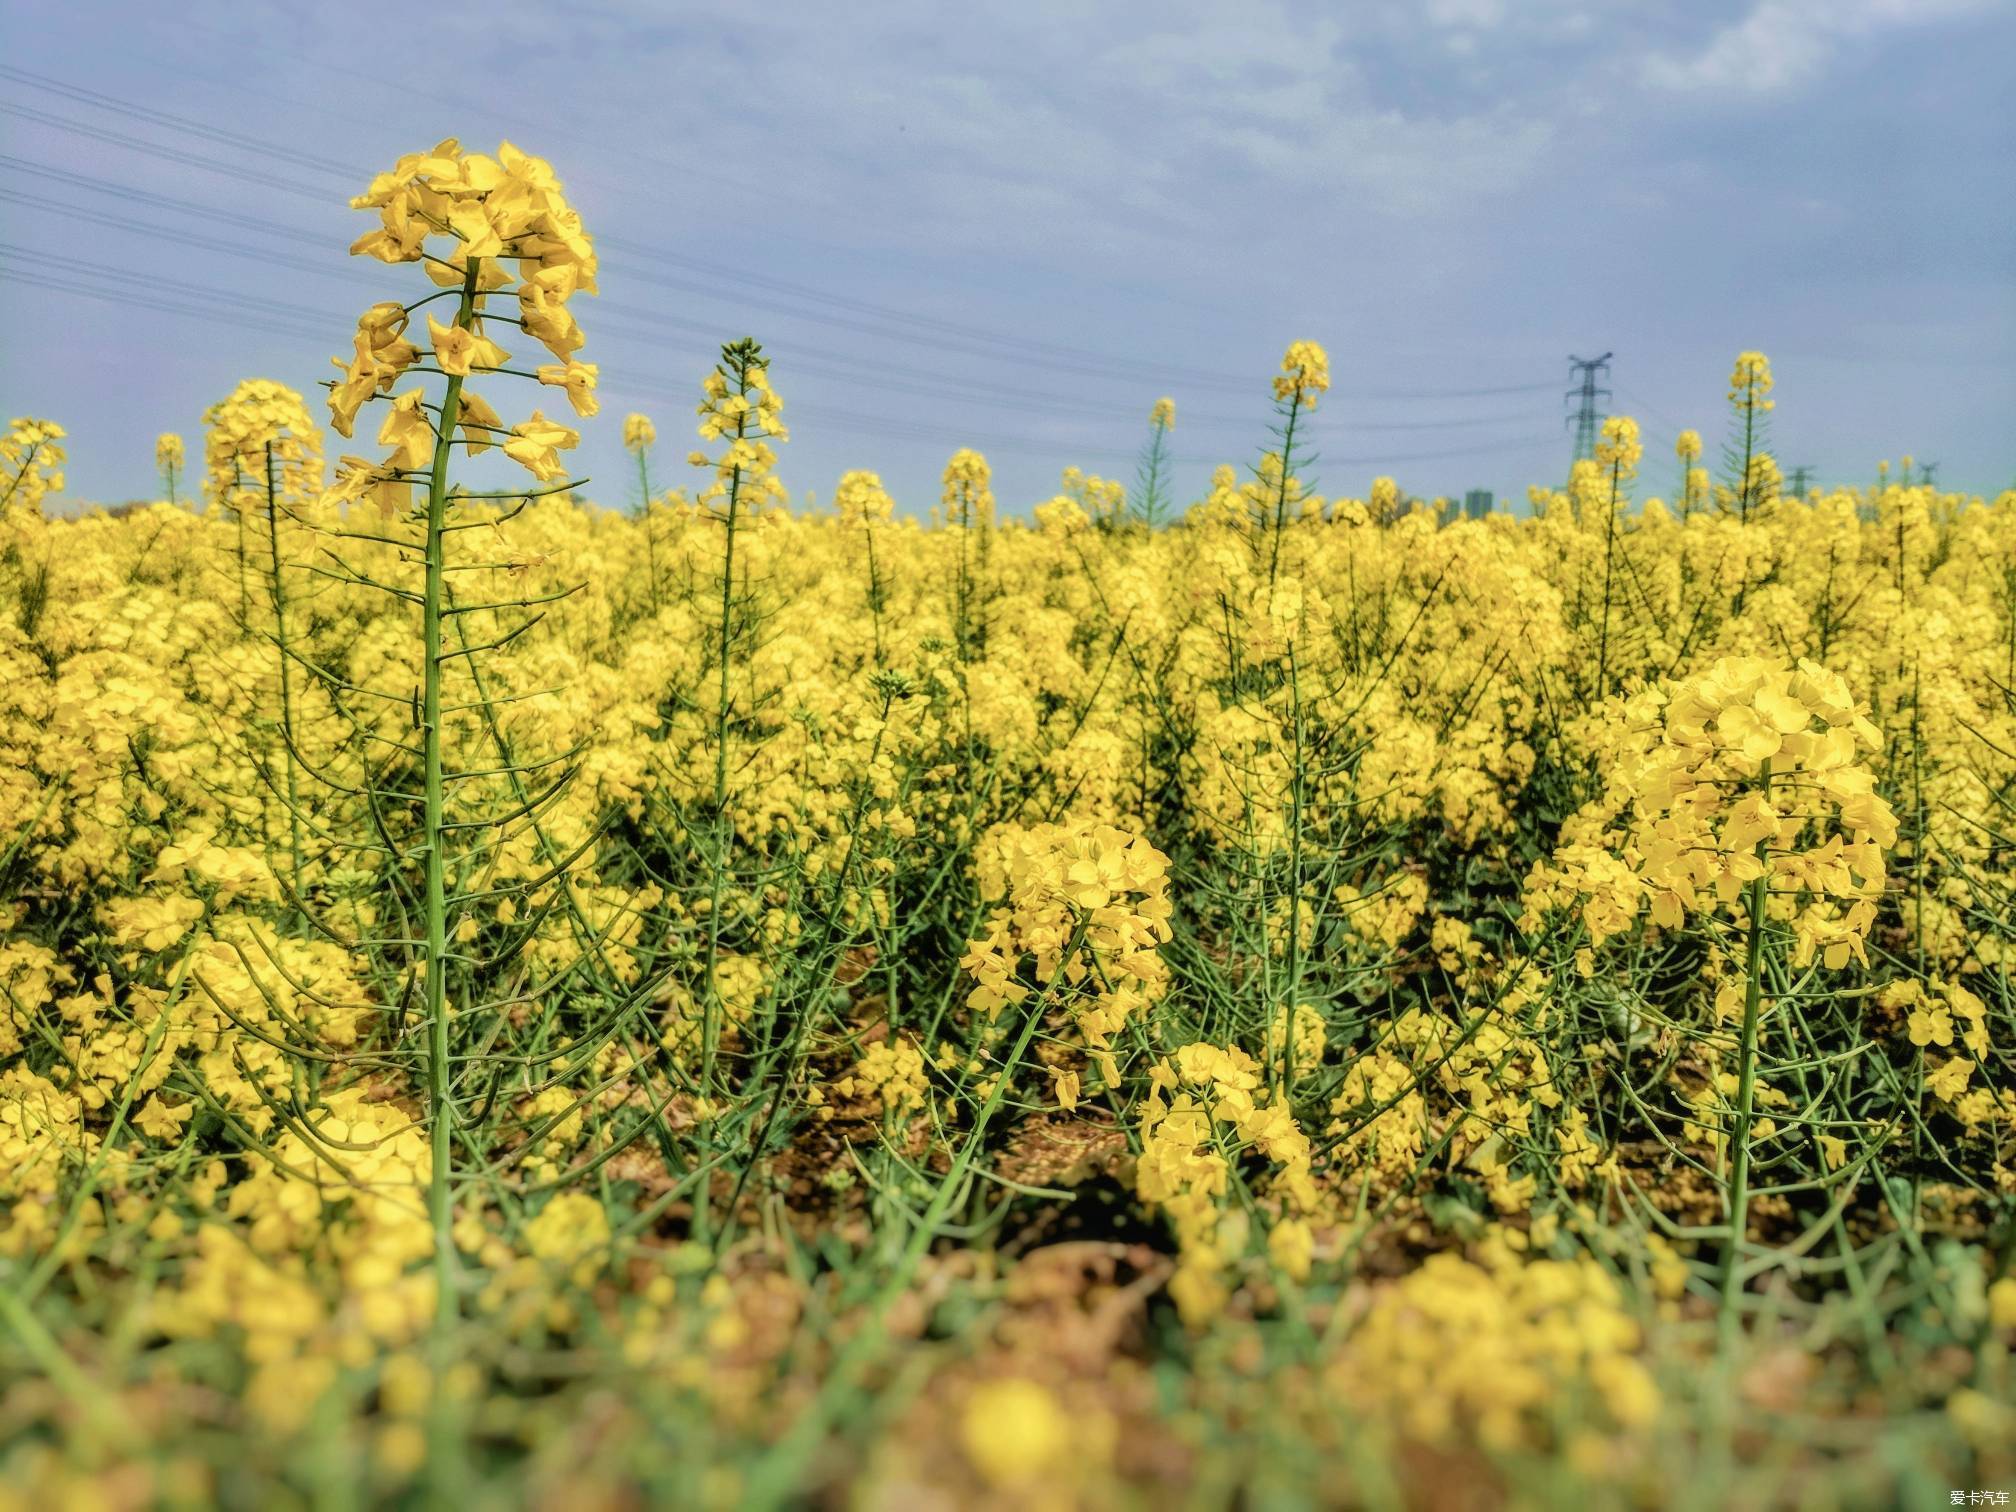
[1086, 908]
[1205, 1109]
[260, 429]
[739, 406]
[503, 228]
[1304, 376]
[31, 464]
[1754, 769]
[1491, 1347]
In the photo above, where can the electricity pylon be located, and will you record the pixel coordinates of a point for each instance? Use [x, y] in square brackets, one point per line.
[1586, 418]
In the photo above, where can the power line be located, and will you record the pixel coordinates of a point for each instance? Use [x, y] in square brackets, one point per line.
[933, 331]
[175, 234]
[1079, 362]
[854, 422]
[1639, 405]
[154, 149]
[160, 201]
[71, 273]
[84, 279]
[260, 315]
[847, 422]
[809, 359]
[94, 100]
[67, 264]
[166, 307]
[929, 328]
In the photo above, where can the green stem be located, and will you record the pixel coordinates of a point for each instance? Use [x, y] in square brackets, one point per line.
[244, 594]
[644, 513]
[1294, 943]
[1746, 1093]
[710, 1007]
[1609, 556]
[107, 1421]
[1281, 496]
[286, 670]
[874, 593]
[1153, 494]
[962, 587]
[441, 1109]
[20, 477]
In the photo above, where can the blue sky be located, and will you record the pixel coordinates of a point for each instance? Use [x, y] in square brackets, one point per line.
[1014, 227]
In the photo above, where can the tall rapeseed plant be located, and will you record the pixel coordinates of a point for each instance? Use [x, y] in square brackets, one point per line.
[484, 229]
[263, 468]
[168, 458]
[1752, 475]
[1303, 379]
[1739, 800]
[31, 463]
[1151, 486]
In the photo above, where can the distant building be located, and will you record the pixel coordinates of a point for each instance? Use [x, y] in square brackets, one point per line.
[1477, 503]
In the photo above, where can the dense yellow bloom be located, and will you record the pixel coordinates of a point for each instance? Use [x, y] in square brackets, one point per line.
[1384, 504]
[167, 451]
[1061, 516]
[1751, 769]
[891, 1072]
[509, 205]
[31, 456]
[638, 433]
[486, 216]
[1459, 1349]
[1750, 382]
[1215, 1111]
[1086, 905]
[738, 405]
[1219, 822]
[1763, 479]
[1163, 414]
[1096, 498]
[1687, 446]
[260, 421]
[1305, 373]
[862, 500]
[1618, 447]
[969, 495]
[1303, 1044]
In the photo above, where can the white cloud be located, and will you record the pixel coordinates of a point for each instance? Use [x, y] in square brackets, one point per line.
[1049, 130]
[1478, 14]
[1783, 44]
